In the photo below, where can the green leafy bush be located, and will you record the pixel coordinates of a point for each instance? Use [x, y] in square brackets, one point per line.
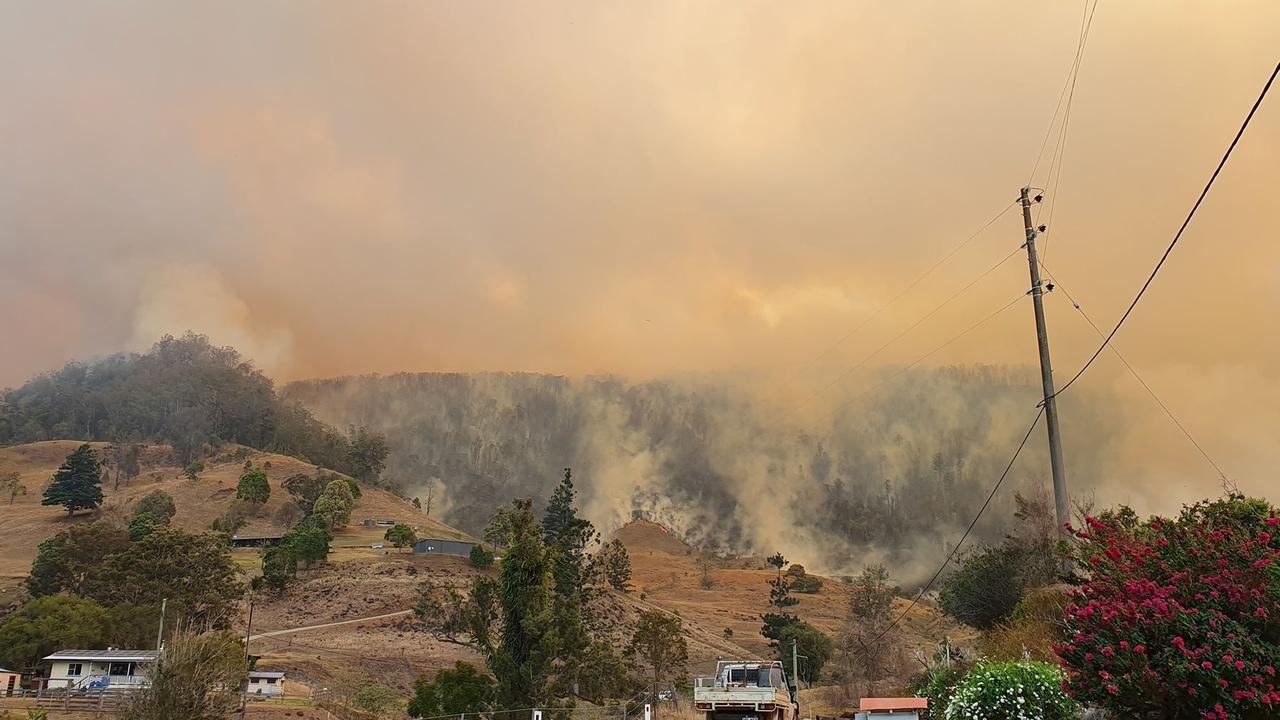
[481, 557]
[938, 683]
[985, 589]
[1012, 691]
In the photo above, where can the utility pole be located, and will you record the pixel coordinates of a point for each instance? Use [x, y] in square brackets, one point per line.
[160, 633]
[1046, 369]
[244, 693]
[795, 666]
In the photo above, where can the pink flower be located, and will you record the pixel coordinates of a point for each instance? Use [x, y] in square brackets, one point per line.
[1206, 665]
[1273, 521]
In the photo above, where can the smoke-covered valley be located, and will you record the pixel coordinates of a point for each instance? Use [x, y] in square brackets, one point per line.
[891, 477]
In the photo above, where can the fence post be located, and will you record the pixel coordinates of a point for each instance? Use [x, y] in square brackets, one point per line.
[102, 697]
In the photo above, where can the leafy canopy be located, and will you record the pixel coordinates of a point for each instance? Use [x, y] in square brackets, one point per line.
[48, 624]
[253, 487]
[462, 689]
[658, 643]
[63, 562]
[401, 535]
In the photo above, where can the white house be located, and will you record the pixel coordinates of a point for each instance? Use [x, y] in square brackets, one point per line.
[266, 684]
[99, 669]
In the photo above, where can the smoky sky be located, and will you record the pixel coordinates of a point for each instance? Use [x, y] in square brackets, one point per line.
[642, 188]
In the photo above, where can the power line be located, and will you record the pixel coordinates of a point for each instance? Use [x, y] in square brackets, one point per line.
[1187, 433]
[821, 391]
[1178, 236]
[1086, 21]
[990, 496]
[1054, 182]
[884, 306]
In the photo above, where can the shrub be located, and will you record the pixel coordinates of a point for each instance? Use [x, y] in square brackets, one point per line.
[984, 590]
[142, 525]
[1178, 616]
[481, 557]
[938, 683]
[1033, 629]
[253, 487]
[459, 690]
[806, 584]
[1011, 691]
[158, 504]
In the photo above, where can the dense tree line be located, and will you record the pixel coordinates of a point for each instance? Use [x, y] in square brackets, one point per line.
[895, 472]
[185, 392]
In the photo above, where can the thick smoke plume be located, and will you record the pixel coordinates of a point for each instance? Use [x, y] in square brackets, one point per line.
[657, 190]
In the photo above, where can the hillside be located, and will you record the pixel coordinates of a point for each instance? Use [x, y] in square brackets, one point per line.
[891, 476]
[668, 573]
[359, 582]
[25, 523]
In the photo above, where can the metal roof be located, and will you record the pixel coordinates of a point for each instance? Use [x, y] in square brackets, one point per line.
[121, 655]
[257, 674]
[11, 672]
[892, 704]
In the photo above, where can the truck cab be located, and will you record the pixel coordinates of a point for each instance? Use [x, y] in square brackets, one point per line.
[746, 690]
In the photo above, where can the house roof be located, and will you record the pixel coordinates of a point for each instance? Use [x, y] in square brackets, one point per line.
[268, 675]
[118, 655]
[892, 704]
[11, 672]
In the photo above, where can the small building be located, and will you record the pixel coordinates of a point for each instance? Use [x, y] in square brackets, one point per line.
[265, 683]
[99, 669]
[370, 522]
[891, 708]
[257, 540]
[10, 682]
[438, 546]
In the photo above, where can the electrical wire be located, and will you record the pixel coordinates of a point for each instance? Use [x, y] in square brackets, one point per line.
[1054, 182]
[951, 555]
[1187, 433]
[1069, 81]
[920, 278]
[1178, 236]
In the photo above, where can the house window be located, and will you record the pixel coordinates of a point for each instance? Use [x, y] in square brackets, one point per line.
[271, 681]
[120, 668]
[73, 669]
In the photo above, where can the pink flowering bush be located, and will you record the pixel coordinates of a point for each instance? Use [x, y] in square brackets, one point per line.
[1179, 618]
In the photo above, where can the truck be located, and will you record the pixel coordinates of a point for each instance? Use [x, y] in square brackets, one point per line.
[746, 690]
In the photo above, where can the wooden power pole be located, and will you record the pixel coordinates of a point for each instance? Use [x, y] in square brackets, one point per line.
[1046, 369]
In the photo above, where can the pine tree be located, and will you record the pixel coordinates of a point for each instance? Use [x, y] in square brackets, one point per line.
[521, 662]
[78, 483]
[567, 537]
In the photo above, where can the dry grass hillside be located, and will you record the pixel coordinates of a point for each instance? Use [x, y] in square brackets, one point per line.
[360, 582]
[25, 523]
[670, 574]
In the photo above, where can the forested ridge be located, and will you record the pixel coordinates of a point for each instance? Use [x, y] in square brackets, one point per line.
[185, 392]
[890, 476]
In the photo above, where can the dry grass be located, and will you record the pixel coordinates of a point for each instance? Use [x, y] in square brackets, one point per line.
[360, 582]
